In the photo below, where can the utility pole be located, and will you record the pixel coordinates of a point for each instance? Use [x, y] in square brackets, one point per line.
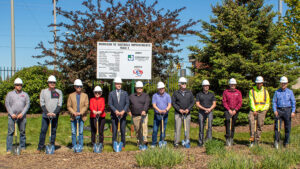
[54, 13]
[13, 47]
[279, 9]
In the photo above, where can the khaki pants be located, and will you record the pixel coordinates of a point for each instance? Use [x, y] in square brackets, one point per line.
[141, 129]
[178, 123]
[260, 117]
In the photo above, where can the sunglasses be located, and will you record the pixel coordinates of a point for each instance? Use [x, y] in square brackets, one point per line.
[52, 82]
[183, 83]
[97, 92]
[139, 88]
[18, 85]
[78, 86]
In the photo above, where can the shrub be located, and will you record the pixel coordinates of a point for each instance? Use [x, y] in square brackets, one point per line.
[158, 158]
[34, 80]
[231, 160]
[214, 147]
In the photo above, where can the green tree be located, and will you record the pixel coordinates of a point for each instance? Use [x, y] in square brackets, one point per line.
[240, 41]
[291, 25]
[111, 20]
[34, 80]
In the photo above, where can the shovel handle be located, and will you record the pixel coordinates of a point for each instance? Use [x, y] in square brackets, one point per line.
[118, 125]
[77, 128]
[50, 127]
[15, 133]
[184, 122]
[206, 126]
[162, 125]
[278, 125]
[230, 124]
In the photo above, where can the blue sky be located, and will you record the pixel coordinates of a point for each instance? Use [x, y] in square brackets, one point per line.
[32, 18]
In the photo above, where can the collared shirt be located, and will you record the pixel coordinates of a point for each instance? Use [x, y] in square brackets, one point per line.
[232, 99]
[206, 99]
[284, 98]
[161, 101]
[180, 101]
[78, 102]
[139, 103]
[16, 103]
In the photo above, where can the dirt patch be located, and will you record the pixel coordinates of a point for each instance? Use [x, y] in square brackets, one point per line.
[63, 158]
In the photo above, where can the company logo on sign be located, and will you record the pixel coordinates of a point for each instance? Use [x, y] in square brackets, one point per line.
[138, 72]
[130, 57]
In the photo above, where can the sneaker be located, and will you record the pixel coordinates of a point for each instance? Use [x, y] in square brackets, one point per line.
[231, 141]
[123, 148]
[8, 153]
[176, 145]
[251, 144]
[152, 146]
[200, 144]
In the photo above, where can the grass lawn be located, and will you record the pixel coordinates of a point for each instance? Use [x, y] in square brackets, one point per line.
[63, 136]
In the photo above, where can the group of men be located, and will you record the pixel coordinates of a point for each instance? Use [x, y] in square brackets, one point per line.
[137, 104]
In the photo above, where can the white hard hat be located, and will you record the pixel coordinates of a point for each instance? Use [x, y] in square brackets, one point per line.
[284, 79]
[232, 81]
[205, 83]
[117, 80]
[139, 84]
[160, 85]
[51, 79]
[78, 82]
[182, 80]
[97, 89]
[259, 79]
[18, 81]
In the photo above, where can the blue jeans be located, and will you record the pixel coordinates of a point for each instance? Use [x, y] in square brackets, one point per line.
[45, 123]
[156, 124]
[74, 131]
[11, 130]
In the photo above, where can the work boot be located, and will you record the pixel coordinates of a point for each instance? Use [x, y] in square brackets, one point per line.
[276, 144]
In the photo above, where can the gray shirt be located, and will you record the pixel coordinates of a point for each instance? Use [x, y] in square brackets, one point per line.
[51, 101]
[17, 103]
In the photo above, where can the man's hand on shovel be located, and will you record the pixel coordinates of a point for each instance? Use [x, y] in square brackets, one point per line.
[20, 116]
[13, 116]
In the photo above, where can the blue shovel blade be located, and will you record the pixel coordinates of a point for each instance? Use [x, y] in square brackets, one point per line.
[98, 148]
[186, 143]
[50, 149]
[162, 144]
[117, 146]
[143, 147]
[77, 148]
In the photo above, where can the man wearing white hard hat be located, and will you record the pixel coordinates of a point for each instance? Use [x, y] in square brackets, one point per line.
[232, 102]
[183, 102]
[284, 107]
[118, 102]
[97, 106]
[205, 102]
[17, 103]
[51, 100]
[138, 109]
[259, 105]
[78, 104]
[162, 103]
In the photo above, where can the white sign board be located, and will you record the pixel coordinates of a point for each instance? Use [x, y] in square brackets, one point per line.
[124, 59]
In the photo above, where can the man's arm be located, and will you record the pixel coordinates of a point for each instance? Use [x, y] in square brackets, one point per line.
[7, 104]
[27, 105]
